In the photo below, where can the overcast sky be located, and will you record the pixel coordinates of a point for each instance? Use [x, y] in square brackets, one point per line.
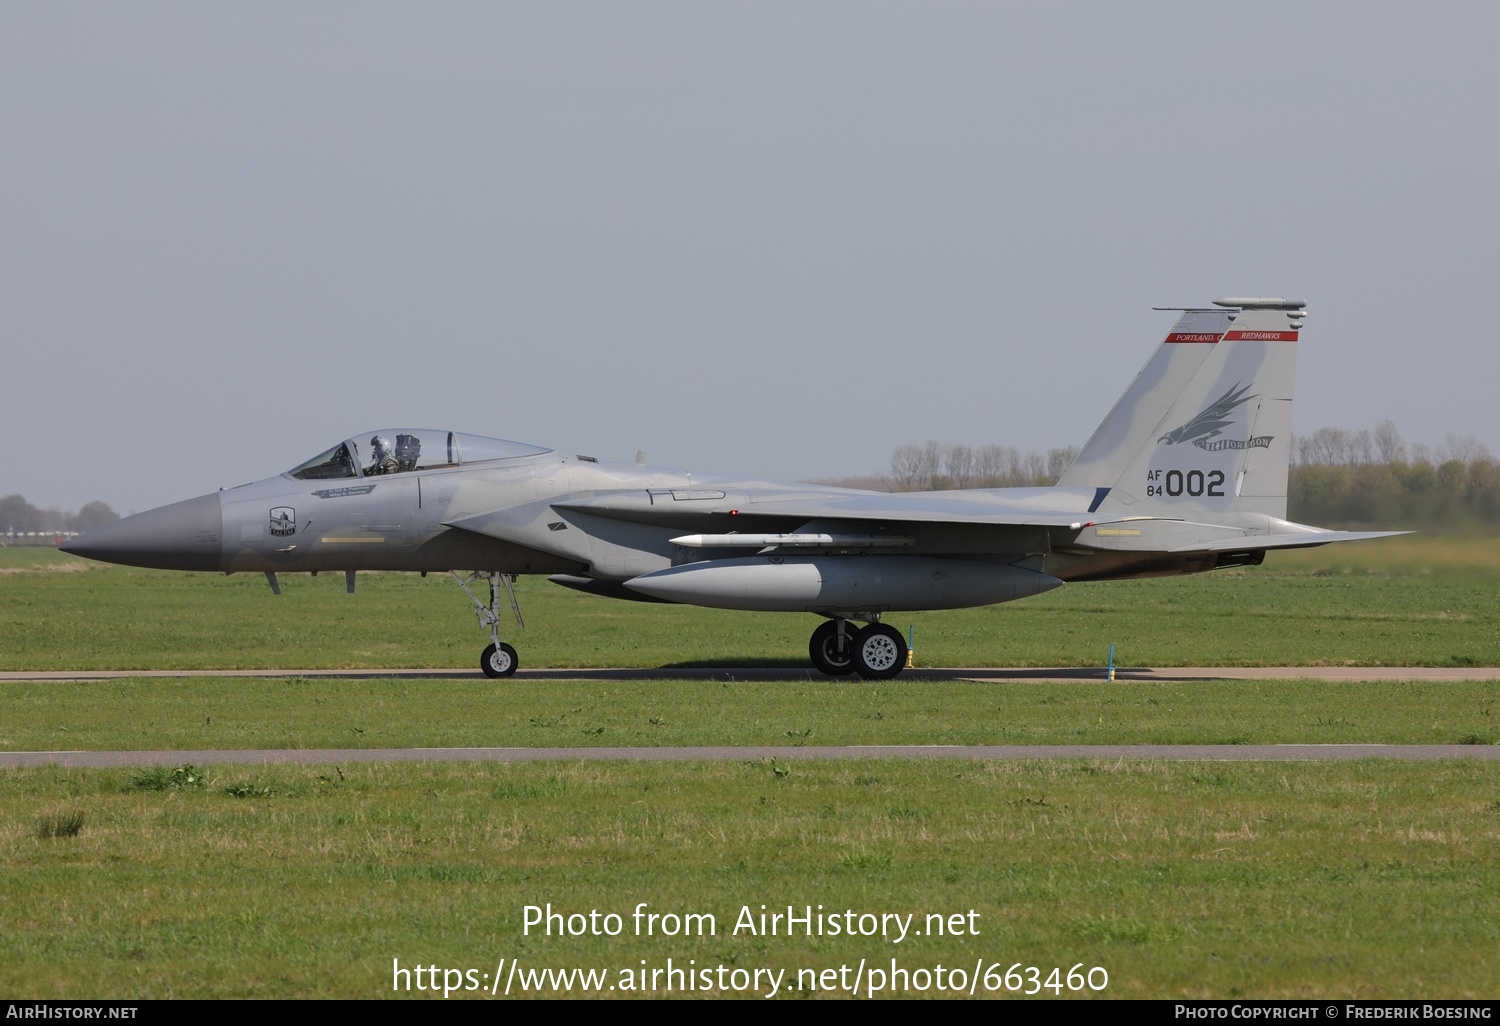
[765, 239]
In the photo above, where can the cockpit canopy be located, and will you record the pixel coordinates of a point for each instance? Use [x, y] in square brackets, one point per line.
[398, 450]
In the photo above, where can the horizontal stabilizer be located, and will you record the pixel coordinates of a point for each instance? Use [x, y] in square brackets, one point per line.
[1300, 540]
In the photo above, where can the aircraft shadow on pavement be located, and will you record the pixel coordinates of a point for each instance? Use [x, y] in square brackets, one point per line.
[738, 664]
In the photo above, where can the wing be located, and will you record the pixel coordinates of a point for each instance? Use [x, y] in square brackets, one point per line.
[957, 522]
[1031, 507]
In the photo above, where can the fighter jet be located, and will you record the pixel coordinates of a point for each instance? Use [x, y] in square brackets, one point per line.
[1187, 473]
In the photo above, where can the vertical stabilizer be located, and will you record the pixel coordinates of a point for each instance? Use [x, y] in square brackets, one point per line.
[1143, 407]
[1224, 444]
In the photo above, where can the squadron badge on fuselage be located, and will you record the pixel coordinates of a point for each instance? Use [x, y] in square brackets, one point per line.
[283, 521]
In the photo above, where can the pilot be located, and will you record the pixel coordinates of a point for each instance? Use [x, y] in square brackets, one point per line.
[382, 461]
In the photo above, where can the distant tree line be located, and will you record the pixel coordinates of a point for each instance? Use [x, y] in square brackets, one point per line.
[1354, 478]
[939, 465]
[1338, 478]
[936, 465]
[17, 516]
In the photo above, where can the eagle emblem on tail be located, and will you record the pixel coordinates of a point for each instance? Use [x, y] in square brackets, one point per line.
[1214, 418]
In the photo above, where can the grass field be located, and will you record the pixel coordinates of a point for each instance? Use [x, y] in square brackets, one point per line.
[1180, 880]
[1366, 879]
[1396, 602]
[193, 713]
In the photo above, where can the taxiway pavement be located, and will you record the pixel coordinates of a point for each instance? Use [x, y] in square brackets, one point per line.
[996, 675]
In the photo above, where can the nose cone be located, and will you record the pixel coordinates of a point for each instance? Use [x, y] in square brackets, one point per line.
[183, 536]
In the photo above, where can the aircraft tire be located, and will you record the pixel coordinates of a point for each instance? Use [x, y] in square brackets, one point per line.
[498, 662]
[879, 652]
[823, 649]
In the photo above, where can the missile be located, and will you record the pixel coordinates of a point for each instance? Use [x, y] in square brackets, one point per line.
[828, 584]
[801, 538]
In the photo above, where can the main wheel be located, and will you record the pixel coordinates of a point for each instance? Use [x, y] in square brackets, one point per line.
[879, 652]
[498, 662]
[827, 653]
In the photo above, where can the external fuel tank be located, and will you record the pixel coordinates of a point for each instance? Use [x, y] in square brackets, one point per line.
[827, 584]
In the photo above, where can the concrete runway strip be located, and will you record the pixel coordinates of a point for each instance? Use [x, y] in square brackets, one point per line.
[992, 675]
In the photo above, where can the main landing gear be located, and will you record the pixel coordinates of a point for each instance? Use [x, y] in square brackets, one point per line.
[875, 651]
[498, 658]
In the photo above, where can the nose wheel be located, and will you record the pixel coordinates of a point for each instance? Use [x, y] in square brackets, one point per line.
[498, 660]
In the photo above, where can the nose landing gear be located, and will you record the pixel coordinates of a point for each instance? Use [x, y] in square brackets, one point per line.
[498, 659]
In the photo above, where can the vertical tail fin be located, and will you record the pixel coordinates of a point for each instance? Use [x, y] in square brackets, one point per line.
[1140, 411]
[1213, 432]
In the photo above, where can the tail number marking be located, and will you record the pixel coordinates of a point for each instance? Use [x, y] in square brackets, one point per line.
[1194, 483]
